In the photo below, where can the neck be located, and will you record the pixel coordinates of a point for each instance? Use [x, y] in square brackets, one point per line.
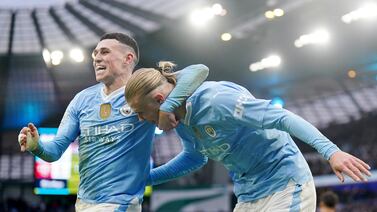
[117, 83]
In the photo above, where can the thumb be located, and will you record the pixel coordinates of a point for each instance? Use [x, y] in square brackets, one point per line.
[22, 139]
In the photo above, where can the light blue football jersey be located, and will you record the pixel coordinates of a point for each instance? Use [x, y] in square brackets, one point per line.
[249, 136]
[114, 146]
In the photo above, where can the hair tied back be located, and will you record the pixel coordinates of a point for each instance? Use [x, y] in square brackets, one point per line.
[166, 67]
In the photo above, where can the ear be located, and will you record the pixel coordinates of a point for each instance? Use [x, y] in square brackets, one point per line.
[159, 98]
[128, 59]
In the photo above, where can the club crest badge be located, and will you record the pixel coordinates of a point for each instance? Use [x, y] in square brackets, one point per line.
[210, 131]
[105, 111]
[125, 110]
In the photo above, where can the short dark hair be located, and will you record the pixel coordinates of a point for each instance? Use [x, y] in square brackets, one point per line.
[125, 39]
[329, 198]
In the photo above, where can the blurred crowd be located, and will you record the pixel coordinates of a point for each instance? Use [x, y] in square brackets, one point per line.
[47, 204]
[358, 137]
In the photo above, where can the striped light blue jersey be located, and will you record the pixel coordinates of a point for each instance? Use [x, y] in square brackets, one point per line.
[250, 137]
[114, 149]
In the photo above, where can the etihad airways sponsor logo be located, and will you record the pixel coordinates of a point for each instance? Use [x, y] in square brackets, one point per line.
[106, 129]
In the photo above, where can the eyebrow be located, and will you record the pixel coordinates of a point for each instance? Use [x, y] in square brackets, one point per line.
[97, 50]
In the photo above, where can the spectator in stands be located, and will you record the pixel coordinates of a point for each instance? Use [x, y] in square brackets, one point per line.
[328, 201]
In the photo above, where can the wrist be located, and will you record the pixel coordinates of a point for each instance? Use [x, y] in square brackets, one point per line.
[34, 147]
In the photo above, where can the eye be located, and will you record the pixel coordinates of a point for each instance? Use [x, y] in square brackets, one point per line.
[104, 52]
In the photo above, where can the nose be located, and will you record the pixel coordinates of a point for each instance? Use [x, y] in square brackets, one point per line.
[97, 58]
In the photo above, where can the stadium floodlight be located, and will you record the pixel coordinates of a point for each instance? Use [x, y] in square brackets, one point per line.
[226, 36]
[368, 11]
[76, 55]
[352, 74]
[46, 56]
[268, 62]
[217, 9]
[255, 67]
[56, 62]
[223, 12]
[56, 57]
[278, 12]
[318, 37]
[200, 17]
[271, 61]
[269, 14]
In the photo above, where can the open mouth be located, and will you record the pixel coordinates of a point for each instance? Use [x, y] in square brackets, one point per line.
[100, 68]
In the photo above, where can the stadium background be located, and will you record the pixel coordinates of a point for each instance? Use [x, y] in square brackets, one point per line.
[315, 58]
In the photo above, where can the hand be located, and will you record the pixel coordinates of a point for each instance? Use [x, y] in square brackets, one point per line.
[166, 121]
[28, 138]
[342, 162]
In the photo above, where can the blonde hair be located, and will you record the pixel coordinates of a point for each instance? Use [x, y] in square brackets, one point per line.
[145, 80]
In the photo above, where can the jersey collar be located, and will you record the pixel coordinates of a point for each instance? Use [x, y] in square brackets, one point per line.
[112, 95]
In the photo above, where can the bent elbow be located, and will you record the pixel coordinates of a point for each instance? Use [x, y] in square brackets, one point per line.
[204, 70]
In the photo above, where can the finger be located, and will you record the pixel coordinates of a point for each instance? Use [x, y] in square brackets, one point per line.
[166, 128]
[362, 168]
[29, 137]
[350, 173]
[362, 163]
[173, 122]
[33, 129]
[23, 144]
[21, 138]
[357, 172]
[159, 126]
[170, 126]
[339, 175]
[24, 130]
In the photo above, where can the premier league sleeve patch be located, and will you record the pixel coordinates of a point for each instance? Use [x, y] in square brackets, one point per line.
[125, 110]
[210, 131]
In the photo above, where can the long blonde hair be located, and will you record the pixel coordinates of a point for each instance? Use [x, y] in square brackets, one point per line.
[145, 80]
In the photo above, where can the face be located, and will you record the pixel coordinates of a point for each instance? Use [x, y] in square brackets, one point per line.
[147, 108]
[110, 59]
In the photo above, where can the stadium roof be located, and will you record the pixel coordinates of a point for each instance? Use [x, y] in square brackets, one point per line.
[164, 32]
